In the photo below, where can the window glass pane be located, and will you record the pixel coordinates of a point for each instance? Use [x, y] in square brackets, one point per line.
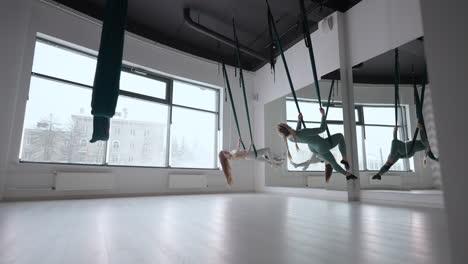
[63, 64]
[310, 111]
[142, 85]
[335, 114]
[58, 125]
[193, 138]
[378, 146]
[138, 133]
[380, 115]
[191, 95]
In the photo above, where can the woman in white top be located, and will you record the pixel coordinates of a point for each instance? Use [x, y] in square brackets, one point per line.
[314, 159]
[263, 154]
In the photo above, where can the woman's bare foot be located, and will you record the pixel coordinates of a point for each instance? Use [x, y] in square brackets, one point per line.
[351, 177]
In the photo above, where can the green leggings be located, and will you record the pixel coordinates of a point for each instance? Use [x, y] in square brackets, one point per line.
[402, 150]
[322, 149]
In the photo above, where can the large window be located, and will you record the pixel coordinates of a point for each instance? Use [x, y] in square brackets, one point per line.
[374, 131]
[159, 122]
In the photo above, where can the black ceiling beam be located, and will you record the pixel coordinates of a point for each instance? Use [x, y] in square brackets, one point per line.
[221, 38]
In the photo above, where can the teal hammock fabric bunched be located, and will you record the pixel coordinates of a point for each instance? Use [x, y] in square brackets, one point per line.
[396, 83]
[272, 28]
[272, 25]
[233, 106]
[109, 66]
[242, 84]
[329, 102]
[308, 43]
[418, 101]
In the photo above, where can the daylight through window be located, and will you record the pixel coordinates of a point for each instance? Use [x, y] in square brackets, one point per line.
[159, 122]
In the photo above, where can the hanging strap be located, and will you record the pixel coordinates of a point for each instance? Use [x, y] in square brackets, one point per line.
[417, 102]
[329, 102]
[233, 106]
[271, 23]
[242, 84]
[396, 82]
[109, 65]
[272, 49]
[308, 43]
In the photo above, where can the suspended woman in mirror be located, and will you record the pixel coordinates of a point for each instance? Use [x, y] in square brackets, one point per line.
[405, 150]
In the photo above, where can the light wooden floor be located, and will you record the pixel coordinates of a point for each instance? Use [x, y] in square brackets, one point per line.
[237, 229]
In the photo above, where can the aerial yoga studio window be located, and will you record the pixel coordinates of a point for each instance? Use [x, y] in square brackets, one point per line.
[374, 126]
[159, 122]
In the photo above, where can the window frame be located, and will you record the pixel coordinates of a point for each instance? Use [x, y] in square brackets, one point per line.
[169, 81]
[403, 133]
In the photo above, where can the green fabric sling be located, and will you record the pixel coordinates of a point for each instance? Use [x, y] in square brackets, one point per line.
[242, 84]
[233, 106]
[329, 100]
[396, 82]
[271, 23]
[308, 43]
[109, 66]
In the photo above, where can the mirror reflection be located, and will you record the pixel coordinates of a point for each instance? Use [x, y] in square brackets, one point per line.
[394, 124]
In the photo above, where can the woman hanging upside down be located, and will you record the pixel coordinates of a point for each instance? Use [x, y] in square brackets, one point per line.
[401, 150]
[318, 145]
[263, 154]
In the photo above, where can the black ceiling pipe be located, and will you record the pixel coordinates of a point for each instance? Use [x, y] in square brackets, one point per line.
[221, 38]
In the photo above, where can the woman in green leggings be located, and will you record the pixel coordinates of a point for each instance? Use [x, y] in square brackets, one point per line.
[318, 145]
[401, 150]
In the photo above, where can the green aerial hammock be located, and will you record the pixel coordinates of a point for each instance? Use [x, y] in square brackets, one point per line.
[242, 84]
[308, 43]
[272, 25]
[109, 66]
[418, 101]
[228, 86]
[400, 149]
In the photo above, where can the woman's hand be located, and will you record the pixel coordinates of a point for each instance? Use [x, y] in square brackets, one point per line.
[300, 117]
[322, 111]
[420, 126]
[395, 129]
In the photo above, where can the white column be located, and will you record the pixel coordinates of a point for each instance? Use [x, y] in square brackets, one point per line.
[14, 21]
[349, 118]
[446, 45]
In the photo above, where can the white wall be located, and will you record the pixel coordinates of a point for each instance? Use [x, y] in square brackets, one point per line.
[446, 40]
[373, 26]
[377, 26]
[15, 19]
[85, 32]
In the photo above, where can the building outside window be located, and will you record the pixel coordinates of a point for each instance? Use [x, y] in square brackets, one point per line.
[53, 132]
